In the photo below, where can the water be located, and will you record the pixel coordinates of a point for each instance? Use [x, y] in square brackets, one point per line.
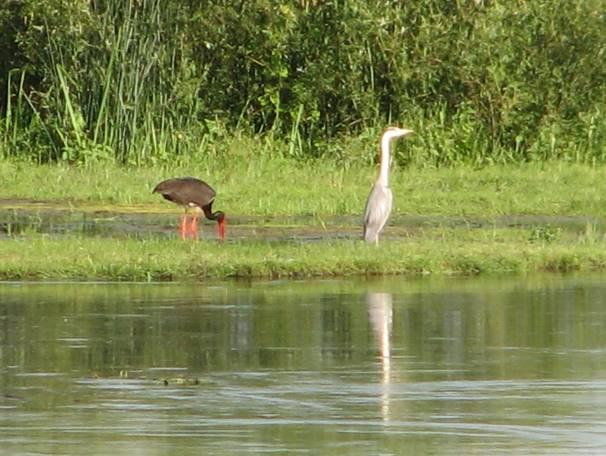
[504, 365]
[24, 217]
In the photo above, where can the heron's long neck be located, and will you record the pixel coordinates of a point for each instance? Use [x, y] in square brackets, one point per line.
[384, 170]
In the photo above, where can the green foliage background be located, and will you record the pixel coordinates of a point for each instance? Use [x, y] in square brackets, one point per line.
[148, 81]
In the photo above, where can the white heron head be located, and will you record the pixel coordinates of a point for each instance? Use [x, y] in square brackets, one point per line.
[395, 132]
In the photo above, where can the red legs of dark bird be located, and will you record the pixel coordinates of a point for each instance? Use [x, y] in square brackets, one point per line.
[183, 226]
[189, 226]
[193, 227]
[221, 230]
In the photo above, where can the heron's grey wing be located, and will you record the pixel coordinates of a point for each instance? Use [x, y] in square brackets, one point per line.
[378, 208]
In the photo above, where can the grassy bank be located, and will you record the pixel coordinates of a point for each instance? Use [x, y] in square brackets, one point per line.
[432, 251]
[287, 187]
[293, 188]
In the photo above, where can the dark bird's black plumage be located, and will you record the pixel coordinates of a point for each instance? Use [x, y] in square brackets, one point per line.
[190, 192]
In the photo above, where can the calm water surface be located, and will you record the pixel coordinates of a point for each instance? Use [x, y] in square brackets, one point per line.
[399, 366]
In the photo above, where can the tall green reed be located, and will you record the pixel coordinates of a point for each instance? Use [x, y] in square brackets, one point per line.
[148, 81]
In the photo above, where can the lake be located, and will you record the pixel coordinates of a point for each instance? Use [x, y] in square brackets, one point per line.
[506, 364]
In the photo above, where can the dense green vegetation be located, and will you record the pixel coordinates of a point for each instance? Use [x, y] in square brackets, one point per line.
[154, 81]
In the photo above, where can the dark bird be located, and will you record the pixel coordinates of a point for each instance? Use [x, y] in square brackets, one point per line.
[378, 206]
[190, 192]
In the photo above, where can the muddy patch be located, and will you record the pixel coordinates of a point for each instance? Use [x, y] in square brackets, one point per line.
[26, 217]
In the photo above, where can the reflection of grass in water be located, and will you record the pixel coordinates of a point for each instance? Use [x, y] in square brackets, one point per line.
[286, 187]
[431, 251]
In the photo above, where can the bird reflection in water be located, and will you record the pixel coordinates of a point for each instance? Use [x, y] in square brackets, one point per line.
[380, 311]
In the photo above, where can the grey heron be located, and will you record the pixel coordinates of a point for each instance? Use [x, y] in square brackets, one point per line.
[378, 206]
[190, 192]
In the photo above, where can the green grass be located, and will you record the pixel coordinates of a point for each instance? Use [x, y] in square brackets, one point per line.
[434, 251]
[292, 188]
[286, 187]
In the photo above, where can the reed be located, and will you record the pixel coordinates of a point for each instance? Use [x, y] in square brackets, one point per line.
[149, 82]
